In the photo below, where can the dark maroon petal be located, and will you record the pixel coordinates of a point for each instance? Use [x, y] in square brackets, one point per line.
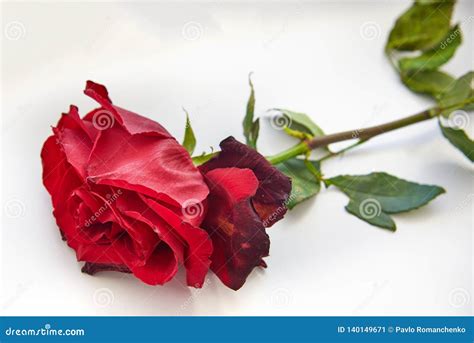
[236, 230]
[92, 268]
[274, 187]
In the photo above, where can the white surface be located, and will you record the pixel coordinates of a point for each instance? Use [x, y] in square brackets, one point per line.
[308, 57]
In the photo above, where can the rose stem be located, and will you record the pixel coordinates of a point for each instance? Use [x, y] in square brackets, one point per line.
[363, 134]
[336, 153]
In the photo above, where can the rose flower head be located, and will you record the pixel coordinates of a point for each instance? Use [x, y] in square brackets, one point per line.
[122, 188]
[127, 197]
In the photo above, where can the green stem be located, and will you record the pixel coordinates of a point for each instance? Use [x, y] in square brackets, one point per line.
[298, 149]
[362, 135]
[336, 153]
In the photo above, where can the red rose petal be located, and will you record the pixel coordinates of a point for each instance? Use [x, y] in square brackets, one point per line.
[153, 166]
[77, 147]
[159, 268]
[133, 207]
[132, 122]
[135, 124]
[144, 238]
[198, 245]
[190, 244]
[75, 139]
[59, 178]
[108, 254]
[72, 120]
[97, 92]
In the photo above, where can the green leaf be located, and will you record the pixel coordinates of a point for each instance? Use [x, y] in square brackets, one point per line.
[251, 127]
[436, 57]
[422, 26]
[460, 91]
[254, 132]
[301, 122]
[304, 179]
[374, 196]
[369, 211]
[459, 139]
[189, 141]
[248, 119]
[431, 82]
[299, 125]
[198, 160]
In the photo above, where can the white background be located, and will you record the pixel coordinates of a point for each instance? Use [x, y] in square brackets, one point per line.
[322, 58]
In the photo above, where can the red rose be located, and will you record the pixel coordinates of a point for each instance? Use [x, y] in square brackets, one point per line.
[247, 194]
[128, 198]
[126, 194]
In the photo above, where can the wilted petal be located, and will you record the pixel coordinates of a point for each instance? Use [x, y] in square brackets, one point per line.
[237, 232]
[274, 187]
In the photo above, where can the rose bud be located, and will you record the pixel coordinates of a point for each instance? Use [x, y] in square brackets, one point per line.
[126, 194]
[247, 194]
